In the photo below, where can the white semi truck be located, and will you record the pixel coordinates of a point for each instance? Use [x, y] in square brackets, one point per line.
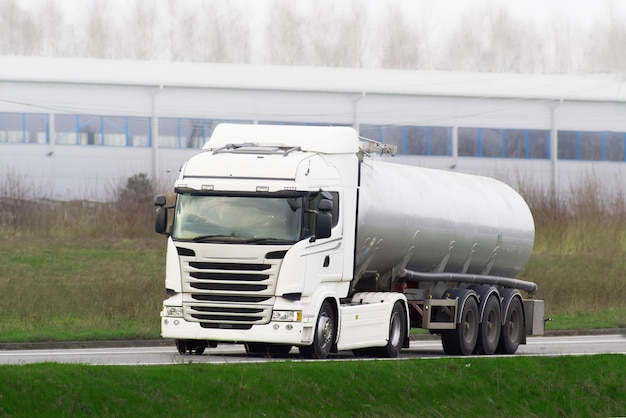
[286, 236]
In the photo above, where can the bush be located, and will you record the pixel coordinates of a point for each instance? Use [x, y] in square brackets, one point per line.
[134, 205]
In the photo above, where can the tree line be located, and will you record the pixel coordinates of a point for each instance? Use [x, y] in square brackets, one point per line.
[320, 33]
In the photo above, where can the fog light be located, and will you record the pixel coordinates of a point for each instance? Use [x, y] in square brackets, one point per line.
[176, 311]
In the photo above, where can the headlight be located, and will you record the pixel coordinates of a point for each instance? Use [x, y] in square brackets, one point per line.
[174, 311]
[287, 316]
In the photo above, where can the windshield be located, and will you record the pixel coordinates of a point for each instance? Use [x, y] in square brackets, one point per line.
[238, 219]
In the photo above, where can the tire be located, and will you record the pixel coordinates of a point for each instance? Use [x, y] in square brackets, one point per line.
[196, 347]
[279, 350]
[397, 331]
[269, 350]
[181, 346]
[490, 327]
[513, 328]
[325, 332]
[462, 340]
[256, 348]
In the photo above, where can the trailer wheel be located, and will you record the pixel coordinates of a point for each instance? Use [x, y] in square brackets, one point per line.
[324, 336]
[397, 331]
[512, 329]
[462, 340]
[489, 328]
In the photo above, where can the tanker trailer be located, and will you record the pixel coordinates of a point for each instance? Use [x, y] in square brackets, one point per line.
[287, 236]
[452, 243]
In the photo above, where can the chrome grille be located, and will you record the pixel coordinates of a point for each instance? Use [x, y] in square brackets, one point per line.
[228, 295]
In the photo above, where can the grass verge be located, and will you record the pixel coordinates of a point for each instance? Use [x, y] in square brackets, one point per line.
[57, 289]
[498, 387]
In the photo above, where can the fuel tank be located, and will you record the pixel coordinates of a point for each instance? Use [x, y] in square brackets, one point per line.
[439, 221]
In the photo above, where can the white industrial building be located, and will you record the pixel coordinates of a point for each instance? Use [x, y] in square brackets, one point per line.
[77, 128]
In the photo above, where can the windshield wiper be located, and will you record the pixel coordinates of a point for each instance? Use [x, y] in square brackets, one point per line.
[268, 241]
[205, 238]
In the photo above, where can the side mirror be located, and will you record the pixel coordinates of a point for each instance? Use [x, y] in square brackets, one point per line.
[160, 223]
[324, 219]
[160, 200]
[325, 205]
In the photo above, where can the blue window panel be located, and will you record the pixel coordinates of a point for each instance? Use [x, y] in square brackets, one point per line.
[65, 129]
[139, 131]
[567, 147]
[591, 146]
[404, 140]
[127, 131]
[468, 142]
[180, 133]
[89, 130]
[393, 135]
[490, 142]
[24, 128]
[614, 142]
[526, 144]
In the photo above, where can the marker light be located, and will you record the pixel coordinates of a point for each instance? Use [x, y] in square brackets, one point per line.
[207, 187]
[262, 188]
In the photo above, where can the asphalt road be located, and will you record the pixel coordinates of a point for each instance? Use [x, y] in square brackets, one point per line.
[227, 353]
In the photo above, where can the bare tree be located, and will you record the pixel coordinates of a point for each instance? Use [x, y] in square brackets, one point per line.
[401, 46]
[606, 47]
[285, 42]
[319, 33]
[50, 22]
[144, 40]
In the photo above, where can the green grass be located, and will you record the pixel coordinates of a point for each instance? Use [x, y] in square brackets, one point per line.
[100, 289]
[497, 387]
[55, 290]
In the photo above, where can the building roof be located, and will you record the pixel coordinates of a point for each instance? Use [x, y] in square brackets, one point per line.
[578, 87]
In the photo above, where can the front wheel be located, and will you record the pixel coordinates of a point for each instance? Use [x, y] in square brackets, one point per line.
[191, 347]
[269, 350]
[324, 337]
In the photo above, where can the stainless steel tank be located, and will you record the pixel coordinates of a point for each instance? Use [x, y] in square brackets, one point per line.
[439, 221]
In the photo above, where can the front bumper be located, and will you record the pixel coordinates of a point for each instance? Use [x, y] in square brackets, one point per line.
[294, 333]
